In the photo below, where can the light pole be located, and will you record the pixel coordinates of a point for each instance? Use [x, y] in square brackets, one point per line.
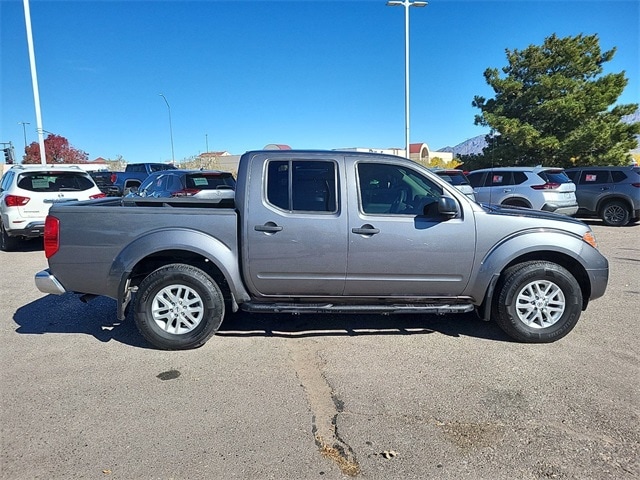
[406, 4]
[173, 159]
[24, 131]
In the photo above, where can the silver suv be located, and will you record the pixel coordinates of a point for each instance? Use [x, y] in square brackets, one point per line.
[610, 193]
[28, 191]
[458, 179]
[539, 188]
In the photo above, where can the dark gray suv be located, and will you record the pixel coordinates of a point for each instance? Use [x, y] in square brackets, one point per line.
[610, 193]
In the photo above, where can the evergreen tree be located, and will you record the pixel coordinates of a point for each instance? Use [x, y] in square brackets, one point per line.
[554, 107]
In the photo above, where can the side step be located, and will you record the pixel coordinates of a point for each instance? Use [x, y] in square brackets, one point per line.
[432, 308]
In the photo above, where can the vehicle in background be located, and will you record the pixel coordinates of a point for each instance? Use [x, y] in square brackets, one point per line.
[458, 179]
[610, 193]
[187, 183]
[539, 188]
[134, 174]
[103, 181]
[28, 191]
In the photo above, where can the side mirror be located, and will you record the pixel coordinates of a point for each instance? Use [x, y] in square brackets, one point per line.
[448, 207]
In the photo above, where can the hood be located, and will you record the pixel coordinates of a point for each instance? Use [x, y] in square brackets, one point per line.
[528, 213]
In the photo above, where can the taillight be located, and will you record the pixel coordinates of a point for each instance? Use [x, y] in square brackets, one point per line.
[546, 186]
[636, 185]
[185, 192]
[97, 195]
[51, 236]
[113, 178]
[16, 200]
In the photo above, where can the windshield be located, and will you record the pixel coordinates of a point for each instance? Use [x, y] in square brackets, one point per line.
[555, 176]
[454, 178]
[210, 181]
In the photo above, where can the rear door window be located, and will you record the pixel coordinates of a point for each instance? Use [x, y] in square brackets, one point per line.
[594, 177]
[302, 186]
[499, 179]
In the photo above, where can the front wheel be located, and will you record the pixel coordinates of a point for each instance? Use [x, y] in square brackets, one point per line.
[178, 307]
[615, 214]
[538, 302]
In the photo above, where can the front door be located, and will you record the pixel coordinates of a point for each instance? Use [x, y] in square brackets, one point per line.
[398, 244]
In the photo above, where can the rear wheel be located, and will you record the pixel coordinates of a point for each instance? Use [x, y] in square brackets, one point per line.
[7, 243]
[178, 307]
[615, 213]
[538, 302]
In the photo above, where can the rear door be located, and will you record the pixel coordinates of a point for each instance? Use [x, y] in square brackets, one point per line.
[295, 233]
[592, 186]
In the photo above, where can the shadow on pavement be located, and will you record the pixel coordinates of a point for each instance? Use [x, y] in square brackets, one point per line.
[326, 325]
[67, 314]
[30, 245]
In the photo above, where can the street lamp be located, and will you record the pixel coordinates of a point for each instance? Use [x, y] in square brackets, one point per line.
[24, 131]
[406, 4]
[173, 159]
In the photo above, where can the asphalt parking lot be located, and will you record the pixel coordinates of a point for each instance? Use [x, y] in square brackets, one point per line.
[311, 397]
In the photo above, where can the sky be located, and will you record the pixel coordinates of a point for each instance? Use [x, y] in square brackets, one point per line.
[239, 75]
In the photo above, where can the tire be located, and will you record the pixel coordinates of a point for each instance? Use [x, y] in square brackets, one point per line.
[178, 307]
[7, 243]
[615, 213]
[537, 302]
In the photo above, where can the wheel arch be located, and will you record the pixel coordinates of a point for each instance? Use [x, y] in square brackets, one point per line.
[517, 201]
[611, 198]
[152, 251]
[565, 251]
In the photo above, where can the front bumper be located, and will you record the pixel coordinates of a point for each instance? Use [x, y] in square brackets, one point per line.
[47, 283]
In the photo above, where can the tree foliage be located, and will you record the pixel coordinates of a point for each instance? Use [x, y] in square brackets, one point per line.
[553, 106]
[57, 150]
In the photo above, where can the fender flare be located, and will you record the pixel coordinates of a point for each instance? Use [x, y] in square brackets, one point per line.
[526, 245]
[224, 257]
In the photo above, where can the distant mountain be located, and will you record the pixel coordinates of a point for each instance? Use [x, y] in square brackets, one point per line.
[474, 145]
[633, 118]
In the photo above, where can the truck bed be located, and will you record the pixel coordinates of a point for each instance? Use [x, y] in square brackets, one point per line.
[98, 237]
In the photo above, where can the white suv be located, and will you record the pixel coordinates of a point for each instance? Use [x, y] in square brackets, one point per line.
[28, 191]
[539, 188]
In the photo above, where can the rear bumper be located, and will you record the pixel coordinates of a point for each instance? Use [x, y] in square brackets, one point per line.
[570, 210]
[30, 230]
[47, 283]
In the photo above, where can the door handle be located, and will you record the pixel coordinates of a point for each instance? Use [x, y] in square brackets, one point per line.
[268, 227]
[365, 230]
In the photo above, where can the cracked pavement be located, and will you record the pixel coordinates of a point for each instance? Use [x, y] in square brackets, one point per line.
[318, 396]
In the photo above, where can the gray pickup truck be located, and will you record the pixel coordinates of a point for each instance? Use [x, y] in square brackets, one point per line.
[324, 232]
